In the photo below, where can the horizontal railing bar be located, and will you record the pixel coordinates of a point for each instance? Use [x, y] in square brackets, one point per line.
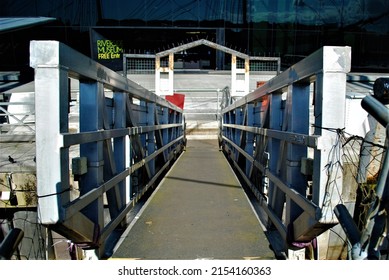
[31, 125]
[77, 205]
[16, 103]
[194, 90]
[80, 66]
[144, 129]
[18, 114]
[264, 58]
[11, 138]
[304, 69]
[273, 217]
[133, 55]
[115, 222]
[198, 113]
[243, 152]
[142, 162]
[81, 202]
[294, 138]
[161, 150]
[71, 139]
[312, 209]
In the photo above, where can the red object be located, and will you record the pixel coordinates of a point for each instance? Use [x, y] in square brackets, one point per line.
[177, 99]
[260, 83]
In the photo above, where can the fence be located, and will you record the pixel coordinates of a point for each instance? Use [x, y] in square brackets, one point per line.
[17, 117]
[283, 141]
[126, 137]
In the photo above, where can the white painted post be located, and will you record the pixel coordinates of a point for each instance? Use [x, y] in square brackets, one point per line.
[246, 76]
[233, 75]
[171, 74]
[51, 109]
[157, 75]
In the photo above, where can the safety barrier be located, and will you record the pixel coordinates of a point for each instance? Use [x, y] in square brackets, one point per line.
[125, 139]
[283, 141]
[17, 117]
[369, 242]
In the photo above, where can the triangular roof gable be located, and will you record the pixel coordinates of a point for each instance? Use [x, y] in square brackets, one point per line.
[202, 42]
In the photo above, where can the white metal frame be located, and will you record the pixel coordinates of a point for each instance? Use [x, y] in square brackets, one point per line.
[134, 133]
[269, 138]
[237, 90]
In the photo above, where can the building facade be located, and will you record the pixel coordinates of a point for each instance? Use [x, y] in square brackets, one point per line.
[290, 29]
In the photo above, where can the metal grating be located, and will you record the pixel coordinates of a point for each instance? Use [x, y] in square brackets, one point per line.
[260, 65]
[140, 65]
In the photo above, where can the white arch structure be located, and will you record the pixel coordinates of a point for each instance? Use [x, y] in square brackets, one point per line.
[239, 87]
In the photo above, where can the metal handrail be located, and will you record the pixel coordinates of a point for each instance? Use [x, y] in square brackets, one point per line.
[268, 137]
[124, 142]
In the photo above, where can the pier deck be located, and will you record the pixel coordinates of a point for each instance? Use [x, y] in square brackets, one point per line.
[199, 211]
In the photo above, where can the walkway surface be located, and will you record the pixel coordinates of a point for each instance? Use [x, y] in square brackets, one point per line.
[199, 211]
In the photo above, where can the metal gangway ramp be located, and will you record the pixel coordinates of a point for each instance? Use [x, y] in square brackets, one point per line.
[267, 188]
[199, 211]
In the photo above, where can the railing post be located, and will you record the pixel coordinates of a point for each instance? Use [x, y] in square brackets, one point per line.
[233, 75]
[239, 116]
[171, 74]
[246, 76]
[158, 75]
[330, 99]
[276, 196]
[329, 116]
[165, 132]
[229, 119]
[51, 120]
[249, 147]
[91, 119]
[151, 135]
[121, 145]
[298, 122]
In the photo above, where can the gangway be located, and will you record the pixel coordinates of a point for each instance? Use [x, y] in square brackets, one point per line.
[283, 141]
[199, 211]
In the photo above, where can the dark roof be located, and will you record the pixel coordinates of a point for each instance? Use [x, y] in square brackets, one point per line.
[16, 23]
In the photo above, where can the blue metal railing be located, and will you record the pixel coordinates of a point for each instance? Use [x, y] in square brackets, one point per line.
[283, 141]
[125, 139]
